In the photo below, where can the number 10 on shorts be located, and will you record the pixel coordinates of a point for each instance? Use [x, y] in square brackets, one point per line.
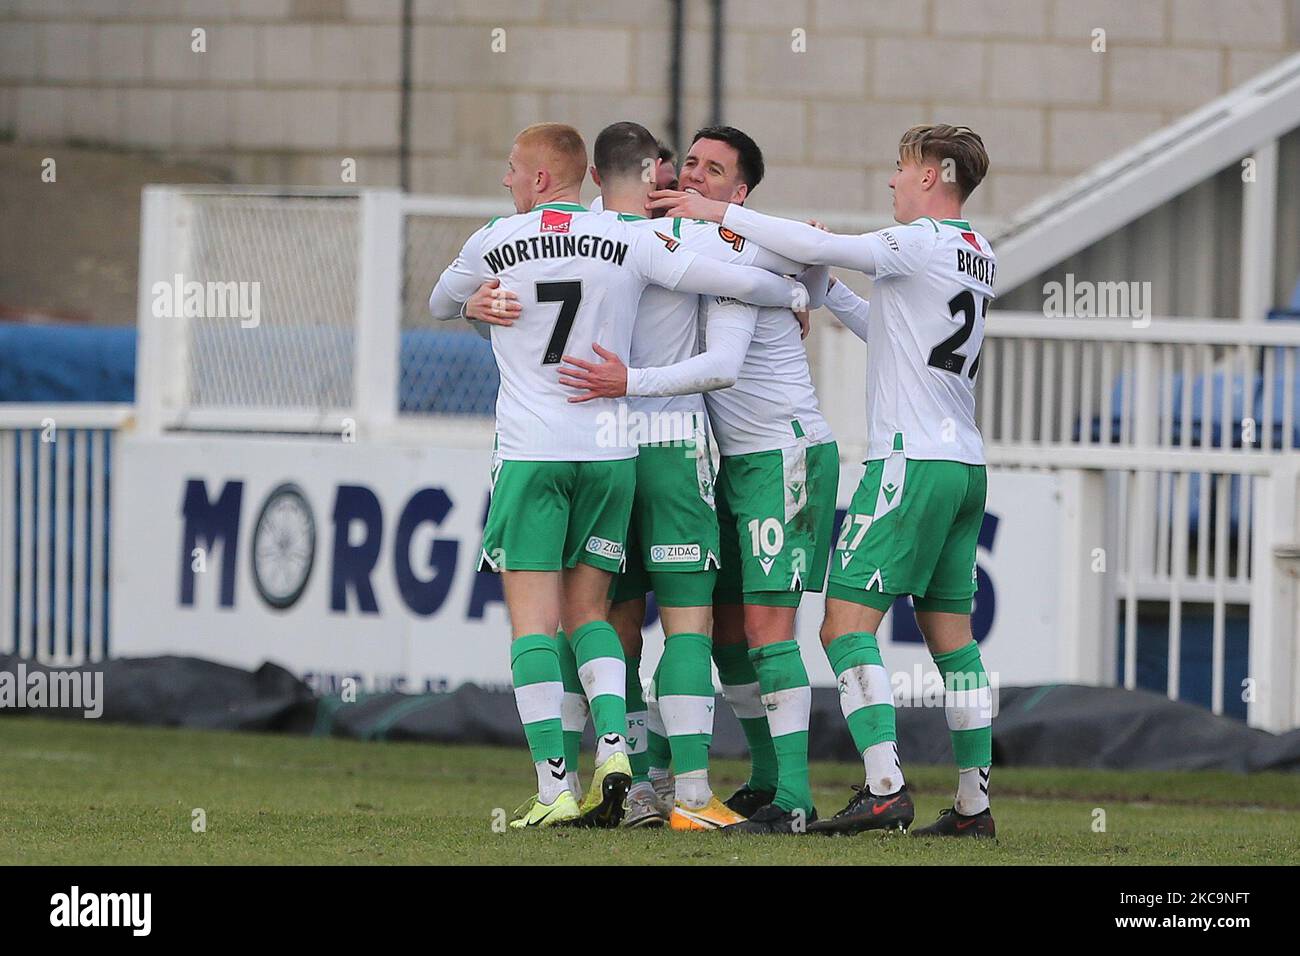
[766, 538]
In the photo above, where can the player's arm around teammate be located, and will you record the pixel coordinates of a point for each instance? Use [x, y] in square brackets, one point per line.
[851, 309]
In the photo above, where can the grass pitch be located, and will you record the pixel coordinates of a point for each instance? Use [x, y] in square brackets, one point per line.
[88, 793]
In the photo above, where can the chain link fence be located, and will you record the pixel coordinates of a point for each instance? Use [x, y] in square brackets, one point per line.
[446, 368]
[277, 310]
[278, 280]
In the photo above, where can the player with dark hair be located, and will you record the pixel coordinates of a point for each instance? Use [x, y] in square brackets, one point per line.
[775, 496]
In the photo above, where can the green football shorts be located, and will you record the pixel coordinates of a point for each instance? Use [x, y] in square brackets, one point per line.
[776, 517]
[548, 515]
[912, 528]
[672, 540]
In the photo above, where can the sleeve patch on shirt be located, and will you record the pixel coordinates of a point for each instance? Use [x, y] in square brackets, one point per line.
[737, 242]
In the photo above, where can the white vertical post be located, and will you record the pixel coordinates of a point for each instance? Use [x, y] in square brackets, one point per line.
[1084, 605]
[1272, 603]
[1131, 532]
[1258, 232]
[1219, 647]
[1115, 516]
[59, 519]
[25, 445]
[43, 513]
[1029, 391]
[1006, 369]
[95, 449]
[1105, 394]
[78, 490]
[379, 311]
[1144, 382]
[1177, 577]
[161, 362]
[8, 475]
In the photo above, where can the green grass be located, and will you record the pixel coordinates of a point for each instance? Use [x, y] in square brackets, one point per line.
[88, 793]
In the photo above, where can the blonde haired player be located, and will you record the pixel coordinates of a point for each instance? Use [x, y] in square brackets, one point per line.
[914, 521]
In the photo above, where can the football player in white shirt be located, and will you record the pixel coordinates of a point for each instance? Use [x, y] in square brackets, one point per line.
[563, 479]
[674, 538]
[645, 805]
[776, 497]
[914, 521]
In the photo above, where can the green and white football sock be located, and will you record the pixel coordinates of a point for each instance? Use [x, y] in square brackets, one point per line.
[573, 713]
[604, 678]
[535, 669]
[972, 790]
[685, 695]
[741, 691]
[638, 748]
[867, 702]
[660, 753]
[787, 698]
[968, 705]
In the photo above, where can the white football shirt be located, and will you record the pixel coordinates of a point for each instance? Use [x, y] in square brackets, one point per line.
[933, 284]
[934, 280]
[669, 329]
[578, 276]
[773, 403]
[666, 332]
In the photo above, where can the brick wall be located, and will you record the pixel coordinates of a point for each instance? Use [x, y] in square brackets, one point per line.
[288, 88]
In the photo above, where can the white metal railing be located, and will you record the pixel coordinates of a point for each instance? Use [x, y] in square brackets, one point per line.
[1040, 387]
[1191, 385]
[55, 508]
[1189, 431]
